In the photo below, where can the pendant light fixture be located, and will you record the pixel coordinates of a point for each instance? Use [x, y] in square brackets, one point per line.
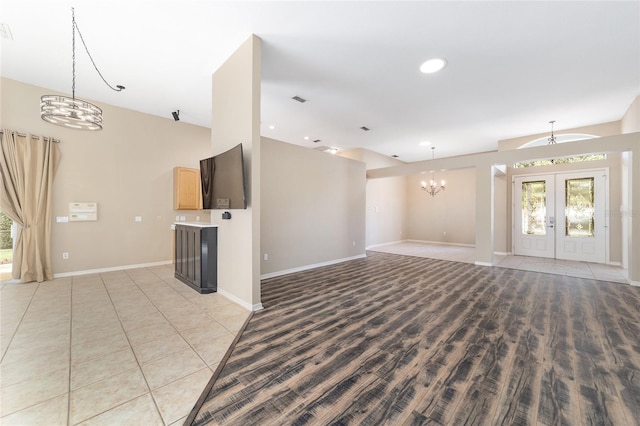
[71, 112]
[432, 189]
[552, 139]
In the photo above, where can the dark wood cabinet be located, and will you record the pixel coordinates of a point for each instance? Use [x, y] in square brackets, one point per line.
[196, 257]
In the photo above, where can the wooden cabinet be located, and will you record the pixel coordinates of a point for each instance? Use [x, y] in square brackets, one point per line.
[196, 257]
[187, 193]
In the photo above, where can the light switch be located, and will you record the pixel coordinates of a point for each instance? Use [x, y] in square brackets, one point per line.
[138, 218]
[62, 219]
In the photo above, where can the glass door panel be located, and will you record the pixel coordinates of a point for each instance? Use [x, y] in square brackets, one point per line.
[533, 216]
[534, 208]
[579, 207]
[582, 202]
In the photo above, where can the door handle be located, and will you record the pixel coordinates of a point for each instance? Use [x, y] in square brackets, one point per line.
[550, 221]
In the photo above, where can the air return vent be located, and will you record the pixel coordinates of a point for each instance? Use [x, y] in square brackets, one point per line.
[365, 128]
[299, 99]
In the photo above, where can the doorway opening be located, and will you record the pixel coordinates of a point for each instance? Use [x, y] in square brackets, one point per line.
[6, 246]
[562, 215]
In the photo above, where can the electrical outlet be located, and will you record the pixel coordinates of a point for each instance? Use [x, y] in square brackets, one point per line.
[265, 256]
[138, 218]
[65, 256]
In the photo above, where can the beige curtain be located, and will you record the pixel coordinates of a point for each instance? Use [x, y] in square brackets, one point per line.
[28, 164]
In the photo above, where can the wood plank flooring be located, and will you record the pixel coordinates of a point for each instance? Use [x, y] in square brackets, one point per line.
[393, 339]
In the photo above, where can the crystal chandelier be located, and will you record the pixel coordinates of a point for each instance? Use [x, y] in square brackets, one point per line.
[552, 139]
[432, 189]
[71, 112]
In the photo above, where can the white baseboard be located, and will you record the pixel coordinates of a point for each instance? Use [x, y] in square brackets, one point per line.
[385, 244]
[306, 267]
[111, 269]
[239, 301]
[478, 263]
[501, 253]
[634, 283]
[442, 243]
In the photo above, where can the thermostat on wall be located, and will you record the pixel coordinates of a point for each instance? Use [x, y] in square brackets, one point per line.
[79, 212]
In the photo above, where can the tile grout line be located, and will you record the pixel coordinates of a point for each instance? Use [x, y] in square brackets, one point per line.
[131, 346]
[19, 323]
[134, 282]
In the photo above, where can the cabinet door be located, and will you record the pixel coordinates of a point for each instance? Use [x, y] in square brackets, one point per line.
[179, 247]
[193, 255]
[186, 189]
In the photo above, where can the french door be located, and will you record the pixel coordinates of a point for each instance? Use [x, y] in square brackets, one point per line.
[561, 216]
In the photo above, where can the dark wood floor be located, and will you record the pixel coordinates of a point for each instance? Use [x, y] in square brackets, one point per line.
[393, 339]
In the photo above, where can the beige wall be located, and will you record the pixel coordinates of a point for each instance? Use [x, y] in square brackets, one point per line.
[386, 207]
[449, 217]
[126, 168]
[484, 162]
[631, 120]
[313, 207]
[236, 119]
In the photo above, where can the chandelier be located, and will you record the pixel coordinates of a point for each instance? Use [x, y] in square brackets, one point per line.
[552, 139]
[71, 112]
[432, 189]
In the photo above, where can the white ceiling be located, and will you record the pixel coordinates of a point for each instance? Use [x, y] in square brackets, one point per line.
[512, 66]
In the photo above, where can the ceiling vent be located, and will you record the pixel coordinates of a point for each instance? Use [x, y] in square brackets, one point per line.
[394, 156]
[299, 99]
[317, 140]
[365, 128]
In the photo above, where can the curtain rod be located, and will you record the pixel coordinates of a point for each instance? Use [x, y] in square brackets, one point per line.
[33, 136]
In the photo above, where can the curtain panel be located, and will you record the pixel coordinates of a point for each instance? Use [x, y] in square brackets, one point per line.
[28, 164]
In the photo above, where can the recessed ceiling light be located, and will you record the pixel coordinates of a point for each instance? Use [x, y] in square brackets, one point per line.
[333, 150]
[272, 127]
[433, 65]
[306, 138]
[425, 143]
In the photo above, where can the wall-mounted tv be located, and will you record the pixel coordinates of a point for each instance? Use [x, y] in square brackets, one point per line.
[222, 179]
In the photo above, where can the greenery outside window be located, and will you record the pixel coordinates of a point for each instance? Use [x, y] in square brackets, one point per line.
[577, 159]
[6, 241]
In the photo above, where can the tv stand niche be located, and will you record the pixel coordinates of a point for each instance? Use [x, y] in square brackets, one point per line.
[196, 256]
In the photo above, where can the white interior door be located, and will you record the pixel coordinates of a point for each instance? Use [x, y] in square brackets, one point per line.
[561, 216]
[534, 198]
[581, 202]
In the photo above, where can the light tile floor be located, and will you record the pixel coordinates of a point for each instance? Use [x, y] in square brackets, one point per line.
[132, 347]
[466, 254]
[137, 347]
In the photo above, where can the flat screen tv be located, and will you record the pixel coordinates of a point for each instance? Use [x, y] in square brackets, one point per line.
[222, 179]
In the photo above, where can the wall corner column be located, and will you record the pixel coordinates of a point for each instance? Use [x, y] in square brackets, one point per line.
[235, 119]
[634, 220]
[484, 214]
